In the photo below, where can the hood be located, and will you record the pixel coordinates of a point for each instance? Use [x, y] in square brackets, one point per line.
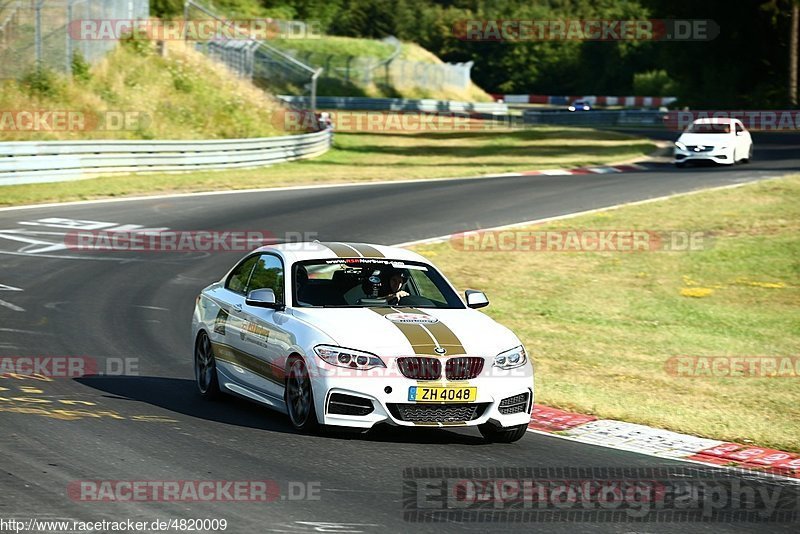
[706, 139]
[406, 331]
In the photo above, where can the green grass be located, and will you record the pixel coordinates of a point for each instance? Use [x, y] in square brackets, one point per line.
[364, 157]
[601, 326]
[181, 96]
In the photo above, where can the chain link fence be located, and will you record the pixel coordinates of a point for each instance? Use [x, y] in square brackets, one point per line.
[391, 71]
[49, 33]
[263, 64]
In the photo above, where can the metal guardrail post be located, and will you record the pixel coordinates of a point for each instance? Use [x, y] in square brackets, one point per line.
[314, 78]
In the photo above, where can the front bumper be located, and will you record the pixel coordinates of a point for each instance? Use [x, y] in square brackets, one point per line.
[717, 155]
[364, 400]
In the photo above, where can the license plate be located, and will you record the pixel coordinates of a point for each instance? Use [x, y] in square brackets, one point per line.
[439, 394]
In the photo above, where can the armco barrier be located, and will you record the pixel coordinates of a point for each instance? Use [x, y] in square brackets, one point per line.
[55, 161]
[626, 101]
[398, 104]
[595, 118]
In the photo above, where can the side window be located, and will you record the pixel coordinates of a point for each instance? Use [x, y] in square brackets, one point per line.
[238, 279]
[739, 128]
[268, 274]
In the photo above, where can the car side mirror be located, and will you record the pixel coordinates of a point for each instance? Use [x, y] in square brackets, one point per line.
[476, 299]
[739, 132]
[263, 298]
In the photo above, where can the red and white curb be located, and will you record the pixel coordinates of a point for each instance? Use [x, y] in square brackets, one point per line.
[606, 169]
[662, 443]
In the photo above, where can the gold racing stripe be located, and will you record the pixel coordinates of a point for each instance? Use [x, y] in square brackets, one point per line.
[420, 340]
[446, 337]
[367, 251]
[265, 370]
[341, 250]
[419, 335]
[353, 250]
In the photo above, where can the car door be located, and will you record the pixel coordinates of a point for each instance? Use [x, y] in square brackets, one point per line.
[228, 298]
[261, 342]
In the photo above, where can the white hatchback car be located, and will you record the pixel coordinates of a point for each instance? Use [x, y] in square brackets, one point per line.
[720, 140]
[351, 335]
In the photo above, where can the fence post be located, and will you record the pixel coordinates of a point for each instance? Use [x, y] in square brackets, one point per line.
[185, 19]
[69, 39]
[314, 90]
[37, 34]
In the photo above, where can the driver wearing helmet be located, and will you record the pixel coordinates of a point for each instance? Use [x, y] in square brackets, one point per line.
[397, 278]
[384, 284]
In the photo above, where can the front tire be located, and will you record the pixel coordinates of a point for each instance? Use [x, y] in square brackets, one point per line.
[205, 368]
[299, 397]
[749, 154]
[680, 164]
[494, 434]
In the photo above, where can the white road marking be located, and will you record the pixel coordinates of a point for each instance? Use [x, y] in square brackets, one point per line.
[4, 287]
[159, 308]
[17, 331]
[10, 306]
[322, 526]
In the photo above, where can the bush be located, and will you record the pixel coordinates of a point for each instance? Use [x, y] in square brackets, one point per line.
[654, 83]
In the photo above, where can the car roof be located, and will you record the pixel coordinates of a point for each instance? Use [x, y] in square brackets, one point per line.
[317, 250]
[715, 120]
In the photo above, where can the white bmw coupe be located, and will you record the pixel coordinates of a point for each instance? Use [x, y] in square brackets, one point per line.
[352, 335]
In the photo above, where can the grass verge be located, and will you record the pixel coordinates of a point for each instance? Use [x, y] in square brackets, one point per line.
[364, 157]
[183, 95]
[601, 327]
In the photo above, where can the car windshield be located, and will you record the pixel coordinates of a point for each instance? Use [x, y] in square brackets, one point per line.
[710, 128]
[367, 282]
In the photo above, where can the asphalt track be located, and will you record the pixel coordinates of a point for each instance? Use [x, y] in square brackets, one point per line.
[153, 426]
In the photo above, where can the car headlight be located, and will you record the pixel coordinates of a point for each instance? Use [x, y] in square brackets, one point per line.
[571, 108]
[352, 359]
[510, 359]
[680, 145]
